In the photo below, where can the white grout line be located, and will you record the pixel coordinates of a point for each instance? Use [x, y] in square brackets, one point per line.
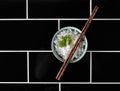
[98, 51]
[59, 83]
[41, 51]
[43, 83]
[13, 82]
[90, 67]
[59, 86]
[13, 19]
[58, 24]
[28, 67]
[37, 19]
[27, 9]
[58, 19]
[106, 19]
[105, 82]
[45, 19]
[25, 50]
[90, 83]
[90, 7]
[75, 83]
[13, 51]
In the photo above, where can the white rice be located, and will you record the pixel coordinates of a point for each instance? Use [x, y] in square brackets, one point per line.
[64, 51]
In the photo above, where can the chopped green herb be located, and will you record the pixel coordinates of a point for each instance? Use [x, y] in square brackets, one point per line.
[66, 40]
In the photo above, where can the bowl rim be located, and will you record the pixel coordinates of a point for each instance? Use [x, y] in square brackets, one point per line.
[53, 49]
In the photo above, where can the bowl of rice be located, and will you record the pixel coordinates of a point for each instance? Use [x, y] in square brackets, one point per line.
[64, 40]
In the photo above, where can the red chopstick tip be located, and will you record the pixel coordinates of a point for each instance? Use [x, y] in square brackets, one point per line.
[58, 79]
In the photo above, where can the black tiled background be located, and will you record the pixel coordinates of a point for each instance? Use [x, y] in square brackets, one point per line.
[94, 87]
[44, 67]
[54, 87]
[58, 8]
[27, 35]
[12, 9]
[104, 35]
[13, 67]
[29, 87]
[101, 35]
[108, 8]
[106, 67]
[37, 35]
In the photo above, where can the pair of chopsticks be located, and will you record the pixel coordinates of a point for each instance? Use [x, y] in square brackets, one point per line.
[66, 62]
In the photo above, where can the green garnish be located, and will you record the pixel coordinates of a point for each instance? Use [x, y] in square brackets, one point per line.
[66, 40]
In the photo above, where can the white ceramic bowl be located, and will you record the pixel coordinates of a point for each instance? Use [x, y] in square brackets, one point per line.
[58, 56]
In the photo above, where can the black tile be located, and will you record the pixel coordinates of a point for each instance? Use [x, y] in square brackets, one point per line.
[58, 8]
[44, 68]
[73, 87]
[12, 8]
[27, 35]
[106, 67]
[43, 87]
[107, 8]
[75, 23]
[104, 35]
[78, 87]
[13, 67]
[101, 35]
[29, 87]
[78, 72]
[13, 87]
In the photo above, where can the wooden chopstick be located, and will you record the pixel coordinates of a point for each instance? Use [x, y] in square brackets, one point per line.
[66, 62]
